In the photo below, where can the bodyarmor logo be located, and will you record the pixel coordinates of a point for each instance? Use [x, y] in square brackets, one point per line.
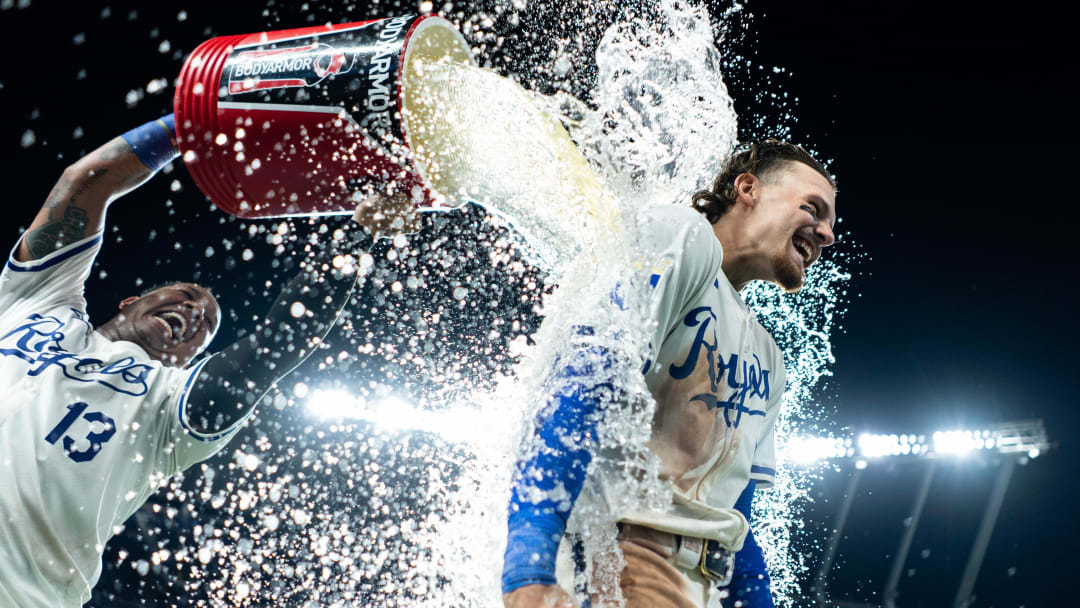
[745, 378]
[301, 66]
[381, 93]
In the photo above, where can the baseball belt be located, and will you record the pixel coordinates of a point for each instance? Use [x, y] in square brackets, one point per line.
[707, 557]
[713, 561]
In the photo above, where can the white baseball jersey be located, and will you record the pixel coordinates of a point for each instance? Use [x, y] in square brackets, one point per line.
[89, 429]
[717, 376]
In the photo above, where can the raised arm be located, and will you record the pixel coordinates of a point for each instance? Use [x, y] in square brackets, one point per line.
[234, 380]
[76, 205]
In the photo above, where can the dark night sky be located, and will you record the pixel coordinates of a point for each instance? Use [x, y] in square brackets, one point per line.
[950, 134]
[950, 137]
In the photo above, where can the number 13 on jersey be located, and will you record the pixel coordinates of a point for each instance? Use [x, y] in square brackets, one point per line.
[96, 438]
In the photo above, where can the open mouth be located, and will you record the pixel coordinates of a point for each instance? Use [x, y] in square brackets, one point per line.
[174, 324]
[804, 249]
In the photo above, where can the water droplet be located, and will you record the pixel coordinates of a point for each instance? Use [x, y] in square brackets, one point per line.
[300, 390]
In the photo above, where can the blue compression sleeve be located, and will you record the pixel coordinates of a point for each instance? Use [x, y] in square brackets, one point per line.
[750, 582]
[566, 432]
[153, 142]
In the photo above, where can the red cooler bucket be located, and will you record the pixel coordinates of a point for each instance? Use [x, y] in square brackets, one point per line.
[306, 121]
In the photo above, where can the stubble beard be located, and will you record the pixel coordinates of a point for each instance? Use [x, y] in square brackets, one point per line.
[789, 275]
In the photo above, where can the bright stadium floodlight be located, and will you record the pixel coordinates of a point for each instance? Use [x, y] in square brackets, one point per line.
[460, 423]
[805, 450]
[877, 446]
[959, 443]
[1024, 437]
[390, 413]
[334, 404]
[394, 414]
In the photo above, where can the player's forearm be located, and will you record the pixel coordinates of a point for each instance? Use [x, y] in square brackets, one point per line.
[75, 208]
[309, 304]
[299, 320]
[76, 205]
[549, 481]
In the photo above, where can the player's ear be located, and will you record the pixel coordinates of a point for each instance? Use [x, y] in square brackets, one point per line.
[747, 189]
[127, 301]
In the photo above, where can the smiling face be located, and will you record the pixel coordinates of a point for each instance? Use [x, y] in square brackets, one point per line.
[172, 324]
[792, 220]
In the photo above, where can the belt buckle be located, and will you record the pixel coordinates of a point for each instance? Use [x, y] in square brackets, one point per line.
[717, 563]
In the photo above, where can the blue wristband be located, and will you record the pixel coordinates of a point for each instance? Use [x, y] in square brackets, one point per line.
[531, 547]
[153, 142]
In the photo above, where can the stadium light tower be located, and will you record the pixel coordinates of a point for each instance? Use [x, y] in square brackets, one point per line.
[1026, 438]
[1008, 443]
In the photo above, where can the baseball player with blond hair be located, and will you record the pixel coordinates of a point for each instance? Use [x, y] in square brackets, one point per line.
[718, 379]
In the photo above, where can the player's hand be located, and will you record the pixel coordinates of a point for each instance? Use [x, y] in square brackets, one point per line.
[538, 596]
[387, 215]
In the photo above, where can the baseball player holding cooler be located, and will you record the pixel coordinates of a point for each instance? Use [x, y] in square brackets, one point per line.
[718, 379]
[92, 422]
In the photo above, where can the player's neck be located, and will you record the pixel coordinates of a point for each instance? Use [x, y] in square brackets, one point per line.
[741, 256]
[109, 330]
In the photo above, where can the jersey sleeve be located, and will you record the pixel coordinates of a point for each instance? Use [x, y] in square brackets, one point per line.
[763, 466]
[190, 446]
[682, 258]
[749, 587]
[57, 279]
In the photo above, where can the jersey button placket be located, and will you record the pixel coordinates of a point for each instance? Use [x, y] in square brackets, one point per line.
[747, 326]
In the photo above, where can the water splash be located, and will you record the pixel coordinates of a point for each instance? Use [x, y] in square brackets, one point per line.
[802, 325]
[396, 505]
[659, 101]
[664, 121]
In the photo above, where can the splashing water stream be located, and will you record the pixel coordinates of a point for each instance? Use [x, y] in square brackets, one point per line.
[661, 125]
[405, 506]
